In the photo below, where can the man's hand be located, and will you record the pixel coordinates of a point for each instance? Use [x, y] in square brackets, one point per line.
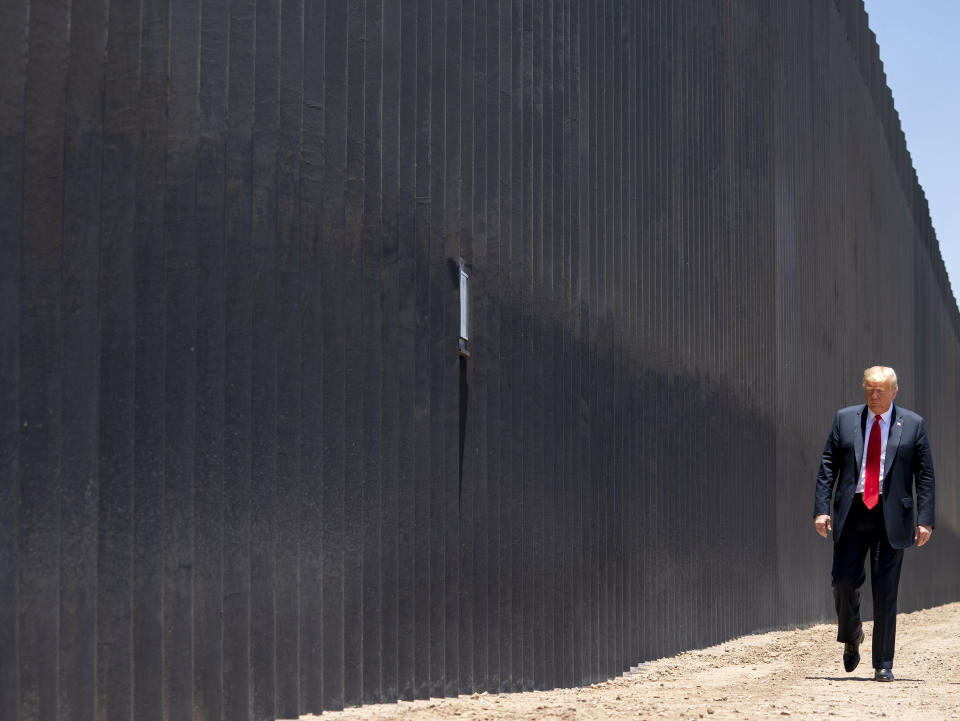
[923, 534]
[822, 524]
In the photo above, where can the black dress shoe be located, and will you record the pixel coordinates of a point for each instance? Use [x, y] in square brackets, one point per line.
[851, 653]
[883, 674]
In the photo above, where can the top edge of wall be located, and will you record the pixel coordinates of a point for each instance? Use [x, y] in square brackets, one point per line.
[863, 42]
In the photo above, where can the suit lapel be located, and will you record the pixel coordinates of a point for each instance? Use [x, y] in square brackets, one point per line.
[858, 439]
[893, 441]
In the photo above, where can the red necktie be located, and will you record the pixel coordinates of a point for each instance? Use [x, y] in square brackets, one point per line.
[871, 483]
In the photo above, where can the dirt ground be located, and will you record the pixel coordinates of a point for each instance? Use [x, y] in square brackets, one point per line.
[796, 673]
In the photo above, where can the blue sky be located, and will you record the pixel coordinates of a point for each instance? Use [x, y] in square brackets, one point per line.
[921, 57]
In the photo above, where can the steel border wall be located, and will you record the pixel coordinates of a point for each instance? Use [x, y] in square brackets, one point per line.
[244, 472]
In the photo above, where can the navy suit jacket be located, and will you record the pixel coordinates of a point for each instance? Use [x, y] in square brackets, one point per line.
[908, 471]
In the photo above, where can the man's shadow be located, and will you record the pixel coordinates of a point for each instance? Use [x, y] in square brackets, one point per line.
[860, 678]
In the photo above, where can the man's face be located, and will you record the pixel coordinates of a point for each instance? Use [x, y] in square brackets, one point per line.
[879, 396]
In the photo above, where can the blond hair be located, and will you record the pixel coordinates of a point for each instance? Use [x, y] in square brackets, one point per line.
[882, 374]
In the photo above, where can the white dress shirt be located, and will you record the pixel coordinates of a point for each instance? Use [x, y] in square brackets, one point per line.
[884, 432]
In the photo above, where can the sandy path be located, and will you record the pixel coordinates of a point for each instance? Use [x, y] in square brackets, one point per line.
[767, 676]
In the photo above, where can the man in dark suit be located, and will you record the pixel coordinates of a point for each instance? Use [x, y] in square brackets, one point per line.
[876, 458]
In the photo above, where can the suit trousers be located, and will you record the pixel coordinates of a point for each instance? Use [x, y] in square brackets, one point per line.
[865, 536]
